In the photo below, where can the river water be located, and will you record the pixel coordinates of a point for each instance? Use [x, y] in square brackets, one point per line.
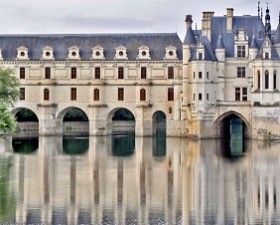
[126, 180]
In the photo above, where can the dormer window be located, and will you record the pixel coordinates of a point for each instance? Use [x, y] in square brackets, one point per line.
[48, 53]
[267, 49]
[73, 53]
[121, 53]
[241, 47]
[200, 55]
[22, 53]
[144, 52]
[171, 52]
[97, 53]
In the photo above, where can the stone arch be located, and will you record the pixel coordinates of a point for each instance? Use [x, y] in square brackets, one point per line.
[28, 121]
[159, 121]
[232, 114]
[76, 126]
[120, 124]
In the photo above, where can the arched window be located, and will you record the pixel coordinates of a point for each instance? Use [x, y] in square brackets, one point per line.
[275, 80]
[46, 94]
[258, 80]
[96, 95]
[142, 95]
[266, 80]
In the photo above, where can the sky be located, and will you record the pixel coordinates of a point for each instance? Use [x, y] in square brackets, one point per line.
[117, 16]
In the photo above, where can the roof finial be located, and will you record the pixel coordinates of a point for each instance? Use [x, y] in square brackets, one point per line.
[261, 14]
[259, 8]
[279, 17]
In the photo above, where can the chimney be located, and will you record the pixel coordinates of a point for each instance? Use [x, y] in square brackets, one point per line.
[229, 19]
[206, 24]
[189, 21]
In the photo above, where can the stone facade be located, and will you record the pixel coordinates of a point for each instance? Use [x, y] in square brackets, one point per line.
[228, 68]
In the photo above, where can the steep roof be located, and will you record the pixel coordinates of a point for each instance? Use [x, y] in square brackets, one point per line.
[157, 42]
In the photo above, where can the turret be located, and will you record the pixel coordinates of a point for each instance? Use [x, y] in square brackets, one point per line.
[189, 39]
[253, 48]
[267, 24]
[220, 49]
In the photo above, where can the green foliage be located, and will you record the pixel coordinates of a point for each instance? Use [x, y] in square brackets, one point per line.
[75, 114]
[26, 115]
[9, 94]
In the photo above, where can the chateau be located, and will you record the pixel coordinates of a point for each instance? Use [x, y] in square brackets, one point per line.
[229, 69]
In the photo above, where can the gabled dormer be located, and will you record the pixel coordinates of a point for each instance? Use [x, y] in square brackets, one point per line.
[121, 53]
[74, 53]
[97, 52]
[22, 53]
[200, 52]
[47, 53]
[266, 49]
[144, 52]
[170, 52]
[241, 44]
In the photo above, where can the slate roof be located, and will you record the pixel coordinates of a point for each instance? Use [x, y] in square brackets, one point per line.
[157, 42]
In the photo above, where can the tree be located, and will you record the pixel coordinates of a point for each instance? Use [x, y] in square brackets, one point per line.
[9, 94]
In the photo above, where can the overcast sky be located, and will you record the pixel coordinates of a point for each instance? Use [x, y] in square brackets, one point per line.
[117, 16]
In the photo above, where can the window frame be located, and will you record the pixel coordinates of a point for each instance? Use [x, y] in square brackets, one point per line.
[22, 73]
[97, 73]
[96, 94]
[143, 72]
[73, 72]
[142, 94]
[73, 94]
[22, 94]
[241, 72]
[170, 94]
[120, 73]
[120, 94]
[46, 94]
[170, 72]
[47, 73]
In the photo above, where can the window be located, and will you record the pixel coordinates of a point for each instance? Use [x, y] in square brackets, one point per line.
[258, 79]
[96, 95]
[207, 97]
[120, 94]
[142, 95]
[237, 94]
[241, 51]
[97, 72]
[170, 110]
[241, 71]
[143, 72]
[170, 94]
[170, 72]
[73, 94]
[120, 72]
[207, 75]
[199, 96]
[193, 97]
[274, 80]
[22, 93]
[46, 94]
[266, 80]
[193, 75]
[244, 94]
[266, 55]
[22, 73]
[200, 56]
[241, 95]
[200, 75]
[48, 73]
[73, 73]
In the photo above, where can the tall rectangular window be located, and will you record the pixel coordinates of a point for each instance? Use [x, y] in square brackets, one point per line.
[241, 51]
[22, 93]
[22, 73]
[143, 72]
[73, 94]
[237, 94]
[244, 94]
[97, 72]
[48, 73]
[200, 75]
[200, 56]
[170, 72]
[170, 94]
[199, 96]
[241, 71]
[120, 72]
[120, 94]
[73, 73]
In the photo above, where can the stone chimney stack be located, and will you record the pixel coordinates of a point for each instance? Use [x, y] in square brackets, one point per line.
[206, 24]
[229, 19]
[189, 21]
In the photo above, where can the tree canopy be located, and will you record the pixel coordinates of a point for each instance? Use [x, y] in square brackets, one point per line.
[9, 94]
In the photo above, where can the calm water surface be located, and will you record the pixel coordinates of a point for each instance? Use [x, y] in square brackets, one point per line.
[127, 180]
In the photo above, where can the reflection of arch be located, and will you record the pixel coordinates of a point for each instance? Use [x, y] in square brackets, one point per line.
[223, 121]
[159, 122]
[120, 120]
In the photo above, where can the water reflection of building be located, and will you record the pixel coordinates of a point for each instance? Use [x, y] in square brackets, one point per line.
[96, 187]
[193, 183]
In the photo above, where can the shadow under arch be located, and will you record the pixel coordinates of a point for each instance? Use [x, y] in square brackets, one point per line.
[120, 120]
[233, 129]
[73, 121]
